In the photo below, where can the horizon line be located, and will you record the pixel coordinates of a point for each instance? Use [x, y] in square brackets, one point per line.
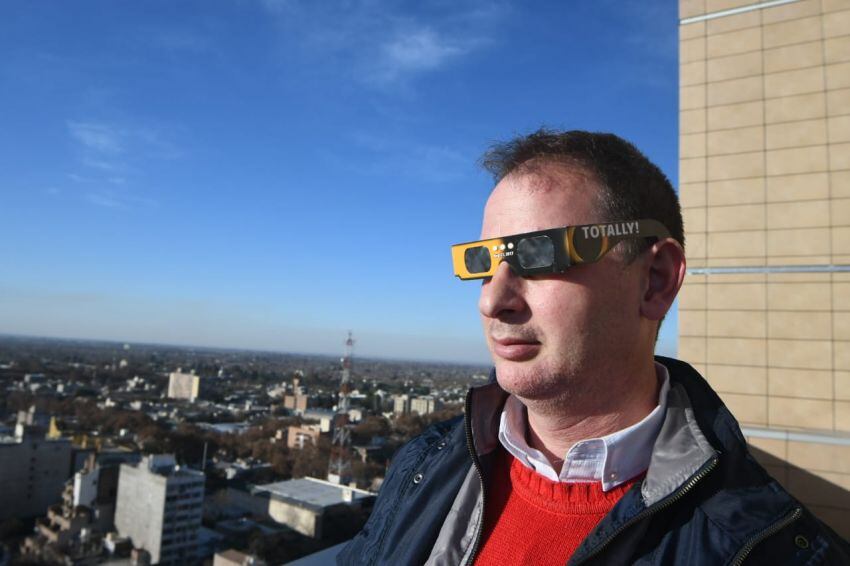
[186, 346]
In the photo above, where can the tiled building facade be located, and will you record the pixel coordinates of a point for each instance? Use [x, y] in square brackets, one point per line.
[765, 188]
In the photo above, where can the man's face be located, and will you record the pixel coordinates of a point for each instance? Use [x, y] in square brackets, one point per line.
[550, 334]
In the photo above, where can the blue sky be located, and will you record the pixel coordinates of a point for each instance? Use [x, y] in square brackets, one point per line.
[272, 174]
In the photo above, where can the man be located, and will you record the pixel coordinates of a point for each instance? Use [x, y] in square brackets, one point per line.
[585, 448]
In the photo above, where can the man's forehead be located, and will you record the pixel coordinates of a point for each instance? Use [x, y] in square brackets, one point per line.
[544, 197]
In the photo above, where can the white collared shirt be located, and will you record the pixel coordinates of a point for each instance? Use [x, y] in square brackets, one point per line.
[611, 459]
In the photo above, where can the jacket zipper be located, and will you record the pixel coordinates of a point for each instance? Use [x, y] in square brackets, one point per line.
[768, 532]
[704, 471]
[475, 462]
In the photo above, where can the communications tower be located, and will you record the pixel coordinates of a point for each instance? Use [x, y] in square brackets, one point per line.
[339, 467]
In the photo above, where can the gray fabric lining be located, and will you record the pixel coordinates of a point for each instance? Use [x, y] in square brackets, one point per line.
[454, 543]
[485, 422]
[680, 449]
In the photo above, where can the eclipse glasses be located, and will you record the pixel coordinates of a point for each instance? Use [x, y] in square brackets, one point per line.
[549, 251]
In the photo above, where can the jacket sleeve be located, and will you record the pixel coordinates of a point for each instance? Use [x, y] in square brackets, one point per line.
[806, 541]
[365, 543]
[418, 490]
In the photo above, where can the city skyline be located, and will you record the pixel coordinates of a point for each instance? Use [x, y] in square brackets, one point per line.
[269, 175]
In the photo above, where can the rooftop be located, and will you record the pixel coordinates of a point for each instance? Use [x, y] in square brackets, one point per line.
[312, 493]
[226, 428]
[165, 465]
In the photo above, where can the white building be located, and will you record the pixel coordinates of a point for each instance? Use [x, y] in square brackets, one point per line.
[303, 504]
[300, 436]
[33, 471]
[424, 405]
[184, 386]
[401, 404]
[355, 415]
[235, 558]
[159, 508]
[324, 417]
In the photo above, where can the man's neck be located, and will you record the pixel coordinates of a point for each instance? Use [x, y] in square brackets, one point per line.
[555, 428]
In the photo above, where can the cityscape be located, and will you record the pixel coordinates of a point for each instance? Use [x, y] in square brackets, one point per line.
[202, 198]
[123, 453]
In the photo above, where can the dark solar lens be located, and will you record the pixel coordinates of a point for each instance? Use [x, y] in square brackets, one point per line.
[535, 252]
[477, 260]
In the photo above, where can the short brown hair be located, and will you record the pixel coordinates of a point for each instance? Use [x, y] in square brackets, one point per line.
[631, 186]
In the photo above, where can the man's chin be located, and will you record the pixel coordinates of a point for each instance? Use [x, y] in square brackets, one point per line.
[534, 380]
[519, 378]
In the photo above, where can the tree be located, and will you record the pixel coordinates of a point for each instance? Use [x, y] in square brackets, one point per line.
[311, 460]
[369, 428]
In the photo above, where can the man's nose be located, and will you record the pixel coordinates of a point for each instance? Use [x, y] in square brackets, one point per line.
[502, 294]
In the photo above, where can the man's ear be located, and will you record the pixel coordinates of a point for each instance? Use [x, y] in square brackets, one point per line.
[665, 271]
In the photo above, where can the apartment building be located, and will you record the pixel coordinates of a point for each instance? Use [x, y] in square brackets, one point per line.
[301, 436]
[33, 471]
[159, 507]
[424, 405]
[184, 386]
[401, 404]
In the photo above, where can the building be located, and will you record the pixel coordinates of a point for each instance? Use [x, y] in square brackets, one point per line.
[33, 417]
[159, 508]
[300, 436]
[306, 505]
[33, 470]
[765, 188]
[297, 402]
[64, 535]
[184, 386]
[95, 486]
[73, 532]
[355, 415]
[324, 417]
[235, 558]
[401, 404]
[424, 405]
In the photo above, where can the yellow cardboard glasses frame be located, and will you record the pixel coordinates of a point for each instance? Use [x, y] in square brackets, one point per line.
[549, 251]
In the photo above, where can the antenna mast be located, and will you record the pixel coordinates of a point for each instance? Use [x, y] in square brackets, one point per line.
[339, 467]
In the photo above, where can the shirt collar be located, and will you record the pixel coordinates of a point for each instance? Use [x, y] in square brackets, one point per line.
[612, 459]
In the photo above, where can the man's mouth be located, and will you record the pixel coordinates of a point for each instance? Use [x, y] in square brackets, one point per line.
[515, 349]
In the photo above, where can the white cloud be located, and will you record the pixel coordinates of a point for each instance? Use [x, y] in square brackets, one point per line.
[105, 199]
[108, 179]
[101, 142]
[420, 50]
[382, 43]
[78, 178]
[156, 142]
[392, 156]
[96, 136]
[101, 164]
[117, 199]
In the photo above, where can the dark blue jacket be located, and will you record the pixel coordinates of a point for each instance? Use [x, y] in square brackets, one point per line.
[704, 499]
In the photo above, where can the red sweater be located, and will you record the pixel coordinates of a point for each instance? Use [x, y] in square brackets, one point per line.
[529, 519]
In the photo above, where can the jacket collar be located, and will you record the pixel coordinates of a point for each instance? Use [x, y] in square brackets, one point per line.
[679, 452]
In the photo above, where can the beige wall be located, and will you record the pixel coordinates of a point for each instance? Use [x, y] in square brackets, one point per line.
[774, 345]
[765, 184]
